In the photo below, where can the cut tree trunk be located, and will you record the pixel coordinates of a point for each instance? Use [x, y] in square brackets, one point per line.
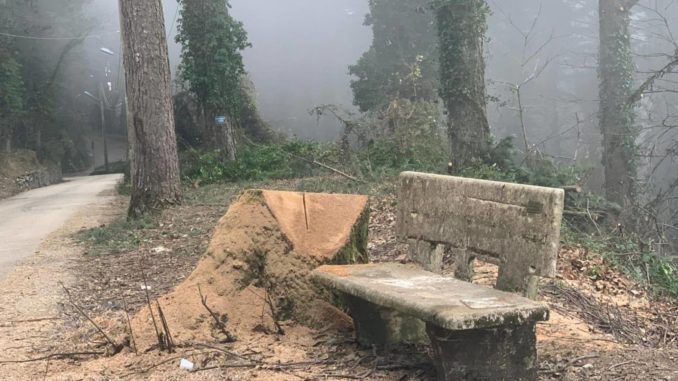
[616, 72]
[155, 167]
[256, 271]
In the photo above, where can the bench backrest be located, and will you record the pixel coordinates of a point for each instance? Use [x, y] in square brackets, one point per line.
[516, 227]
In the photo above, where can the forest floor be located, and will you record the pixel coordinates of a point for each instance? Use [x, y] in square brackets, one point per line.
[603, 325]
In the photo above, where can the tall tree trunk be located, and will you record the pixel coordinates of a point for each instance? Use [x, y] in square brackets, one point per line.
[155, 168]
[228, 140]
[616, 73]
[461, 30]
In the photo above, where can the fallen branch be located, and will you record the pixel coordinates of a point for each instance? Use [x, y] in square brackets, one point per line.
[217, 321]
[223, 350]
[271, 305]
[158, 334]
[622, 364]
[116, 347]
[582, 358]
[168, 343]
[64, 355]
[133, 341]
[314, 162]
[319, 164]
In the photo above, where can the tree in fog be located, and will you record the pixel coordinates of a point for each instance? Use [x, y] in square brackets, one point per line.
[212, 65]
[402, 61]
[11, 82]
[154, 163]
[37, 49]
[462, 25]
[617, 118]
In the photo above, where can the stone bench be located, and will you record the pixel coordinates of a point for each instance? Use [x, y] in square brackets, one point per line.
[477, 333]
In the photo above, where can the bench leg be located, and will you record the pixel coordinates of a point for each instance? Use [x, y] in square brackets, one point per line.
[500, 354]
[382, 327]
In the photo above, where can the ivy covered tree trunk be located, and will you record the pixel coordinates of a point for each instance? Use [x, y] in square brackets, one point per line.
[155, 166]
[616, 72]
[211, 64]
[461, 30]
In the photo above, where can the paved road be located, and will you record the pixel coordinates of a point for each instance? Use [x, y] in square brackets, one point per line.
[28, 218]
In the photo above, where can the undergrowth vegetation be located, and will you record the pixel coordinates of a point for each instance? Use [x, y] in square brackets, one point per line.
[628, 254]
[120, 236]
[590, 221]
[254, 163]
[296, 159]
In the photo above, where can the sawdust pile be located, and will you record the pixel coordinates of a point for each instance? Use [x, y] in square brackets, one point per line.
[254, 273]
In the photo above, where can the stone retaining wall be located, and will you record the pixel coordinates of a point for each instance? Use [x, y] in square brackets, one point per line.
[48, 175]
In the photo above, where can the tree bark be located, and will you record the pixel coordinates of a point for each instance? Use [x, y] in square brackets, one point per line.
[155, 166]
[461, 30]
[616, 73]
[227, 144]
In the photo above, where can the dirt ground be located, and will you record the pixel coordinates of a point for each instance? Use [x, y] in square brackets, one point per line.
[34, 318]
[603, 326]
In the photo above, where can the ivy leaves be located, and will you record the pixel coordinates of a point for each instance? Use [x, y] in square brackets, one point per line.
[11, 82]
[460, 23]
[11, 86]
[212, 65]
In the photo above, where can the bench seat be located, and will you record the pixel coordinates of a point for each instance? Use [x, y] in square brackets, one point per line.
[444, 301]
[477, 333]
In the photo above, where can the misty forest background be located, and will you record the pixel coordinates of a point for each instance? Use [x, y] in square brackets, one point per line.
[354, 86]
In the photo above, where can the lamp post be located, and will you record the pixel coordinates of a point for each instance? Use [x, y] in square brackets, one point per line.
[103, 103]
[102, 111]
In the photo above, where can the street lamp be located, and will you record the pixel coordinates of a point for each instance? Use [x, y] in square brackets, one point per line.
[107, 51]
[100, 100]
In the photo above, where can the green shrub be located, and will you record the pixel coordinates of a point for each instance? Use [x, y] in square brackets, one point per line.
[254, 163]
[387, 157]
[501, 166]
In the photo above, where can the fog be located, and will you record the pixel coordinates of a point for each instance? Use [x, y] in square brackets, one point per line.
[300, 53]
[300, 57]
[301, 50]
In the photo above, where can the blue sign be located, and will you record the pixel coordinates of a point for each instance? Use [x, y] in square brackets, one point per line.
[220, 120]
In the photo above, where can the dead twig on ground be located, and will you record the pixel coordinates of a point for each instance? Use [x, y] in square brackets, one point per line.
[271, 305]
[116, 347]
[622, 364]
[582, 358]
[167, 341]
[223, 350]
[158, 334]
[608, 318]
[133, 341]
[54, 356]
[217, 318]
[325, 166]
